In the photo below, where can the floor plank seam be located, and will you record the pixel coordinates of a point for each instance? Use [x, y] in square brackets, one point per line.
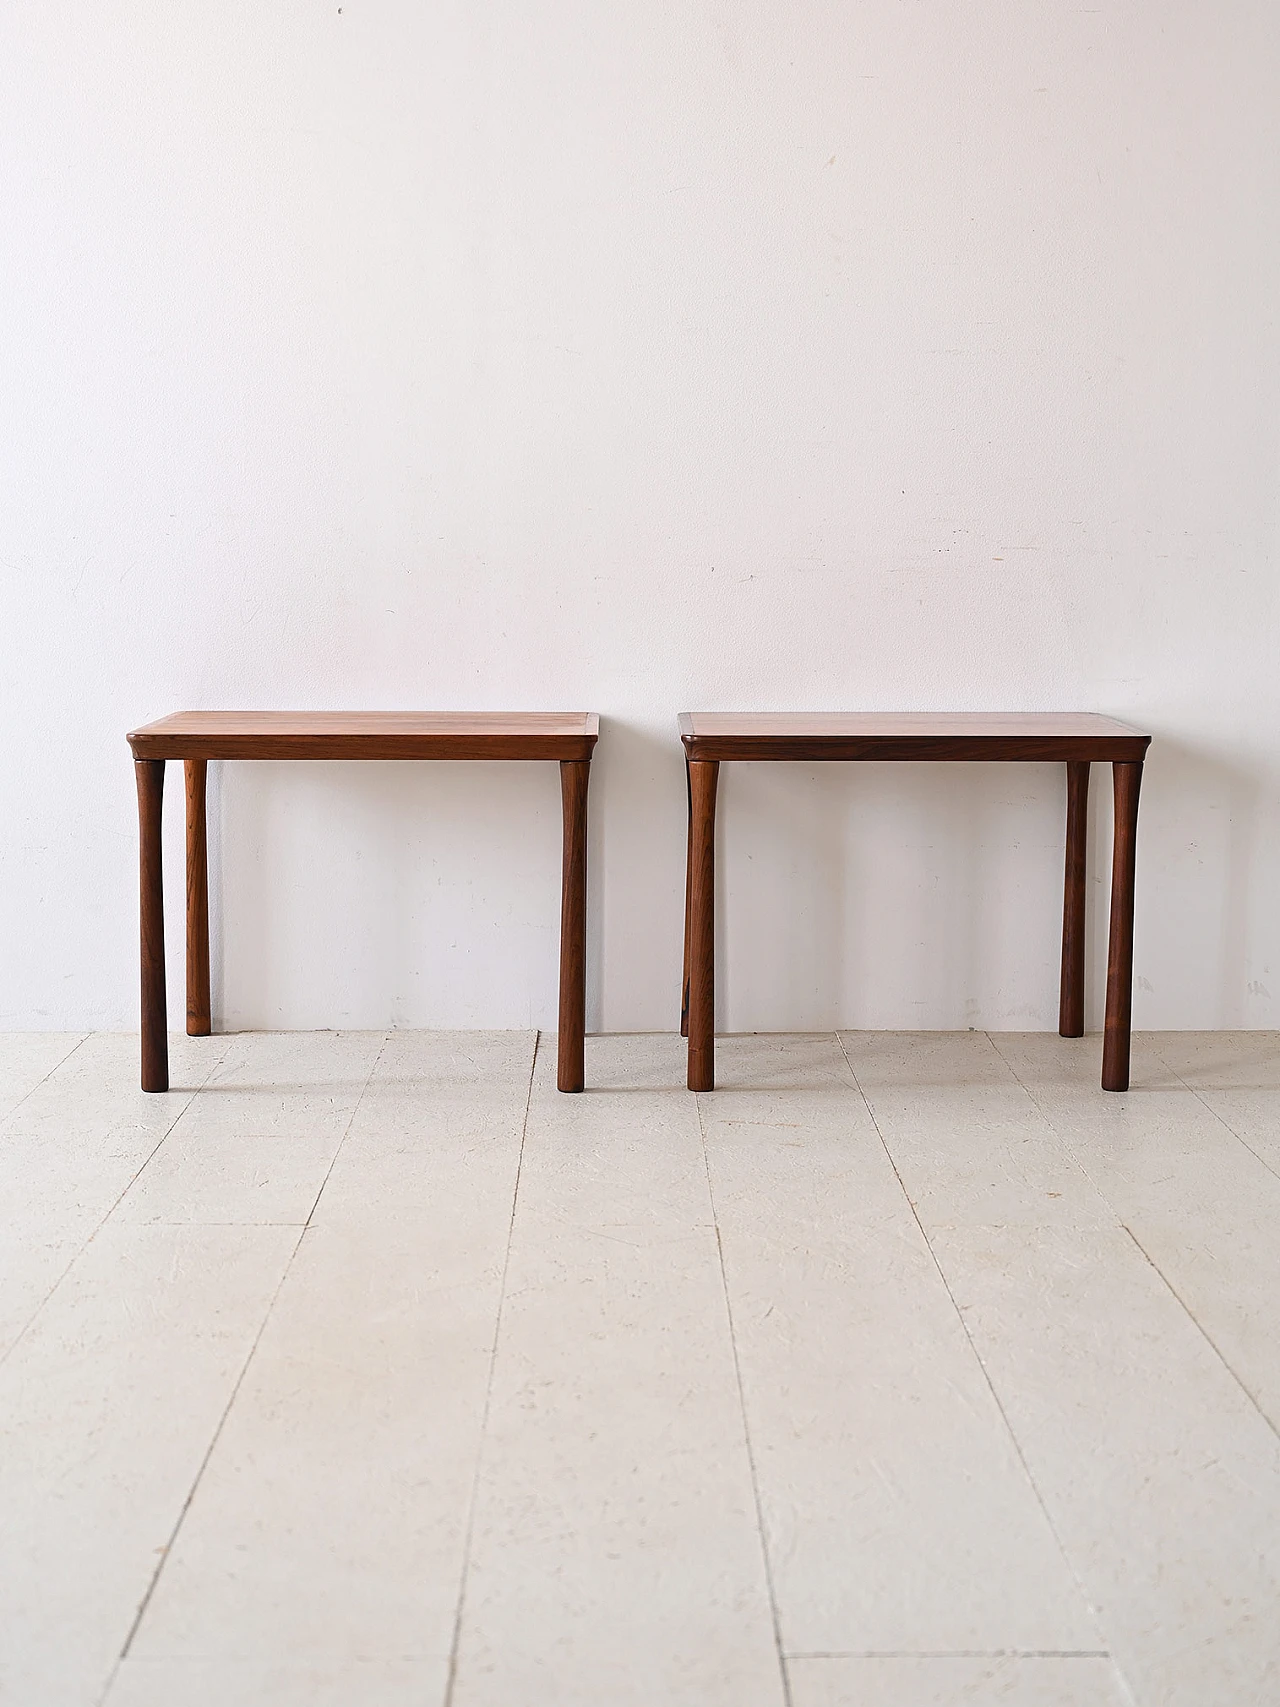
[56, 1068]
[958, 1654]
[964, 1326]
[1063, 1138]
[775, 1616]
[451, 1675]
[128, 1187]
[1126, 1228]
[236, 1385]
[203, 1465]
[203, 1221]
[1200, 1328]
[1070, 1150]
[1222, 1120]
[351, 1120]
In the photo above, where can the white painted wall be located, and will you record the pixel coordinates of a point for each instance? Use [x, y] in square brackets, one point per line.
[641, 357]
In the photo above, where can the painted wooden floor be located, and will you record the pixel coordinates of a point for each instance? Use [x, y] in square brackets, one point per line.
[365, 1370]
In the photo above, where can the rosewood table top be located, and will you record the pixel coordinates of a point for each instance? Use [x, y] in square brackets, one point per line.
[977, 735]
[368, 735]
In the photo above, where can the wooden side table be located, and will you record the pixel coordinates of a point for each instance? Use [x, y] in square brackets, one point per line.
[198, 736]
[1074, 739]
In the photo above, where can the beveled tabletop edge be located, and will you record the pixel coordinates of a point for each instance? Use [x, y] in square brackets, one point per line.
[922, 725]
[1033, 737]
[368, 735]
[323, 722]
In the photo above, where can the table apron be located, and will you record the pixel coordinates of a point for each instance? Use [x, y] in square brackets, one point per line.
[958, 749]
[361, 747]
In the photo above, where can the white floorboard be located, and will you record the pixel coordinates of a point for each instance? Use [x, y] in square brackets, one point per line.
[897, 1512]
[279, 1683]
[995, 1680]
[26, 1060]
[108, 1406]
[902, 1369]
[1162, 1478]
[69, 1149]
[616, 1555]
[331, 1519]
[1191, 1168]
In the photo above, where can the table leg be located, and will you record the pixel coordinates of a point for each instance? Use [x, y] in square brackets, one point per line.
[688, 891]
[570, 1060]
[199, 1021]
[155, 1030]
[703, 777]
[1071, 1000]
[1126, 781]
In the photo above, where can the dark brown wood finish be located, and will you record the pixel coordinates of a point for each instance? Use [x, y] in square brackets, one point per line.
[575, 774]
[704, 776]
[1071, 999]
[1075, 739]
[368, 735]
[149, 775]
[1127, 784]
[199, 1015]
[688, 903]
[198, 736]
[907, 735]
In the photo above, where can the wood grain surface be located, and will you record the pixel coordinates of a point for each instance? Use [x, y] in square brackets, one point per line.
[908, 735]
[368, 735]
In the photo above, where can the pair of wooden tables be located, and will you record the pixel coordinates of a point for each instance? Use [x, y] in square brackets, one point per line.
[710, 738]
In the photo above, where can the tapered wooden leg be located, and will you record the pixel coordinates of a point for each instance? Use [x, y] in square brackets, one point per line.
[570, 1063]
[1127, 781]
[199, 1023]
[1071, 1000]
[688, 890]
[703, 777]
[155, 1027]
